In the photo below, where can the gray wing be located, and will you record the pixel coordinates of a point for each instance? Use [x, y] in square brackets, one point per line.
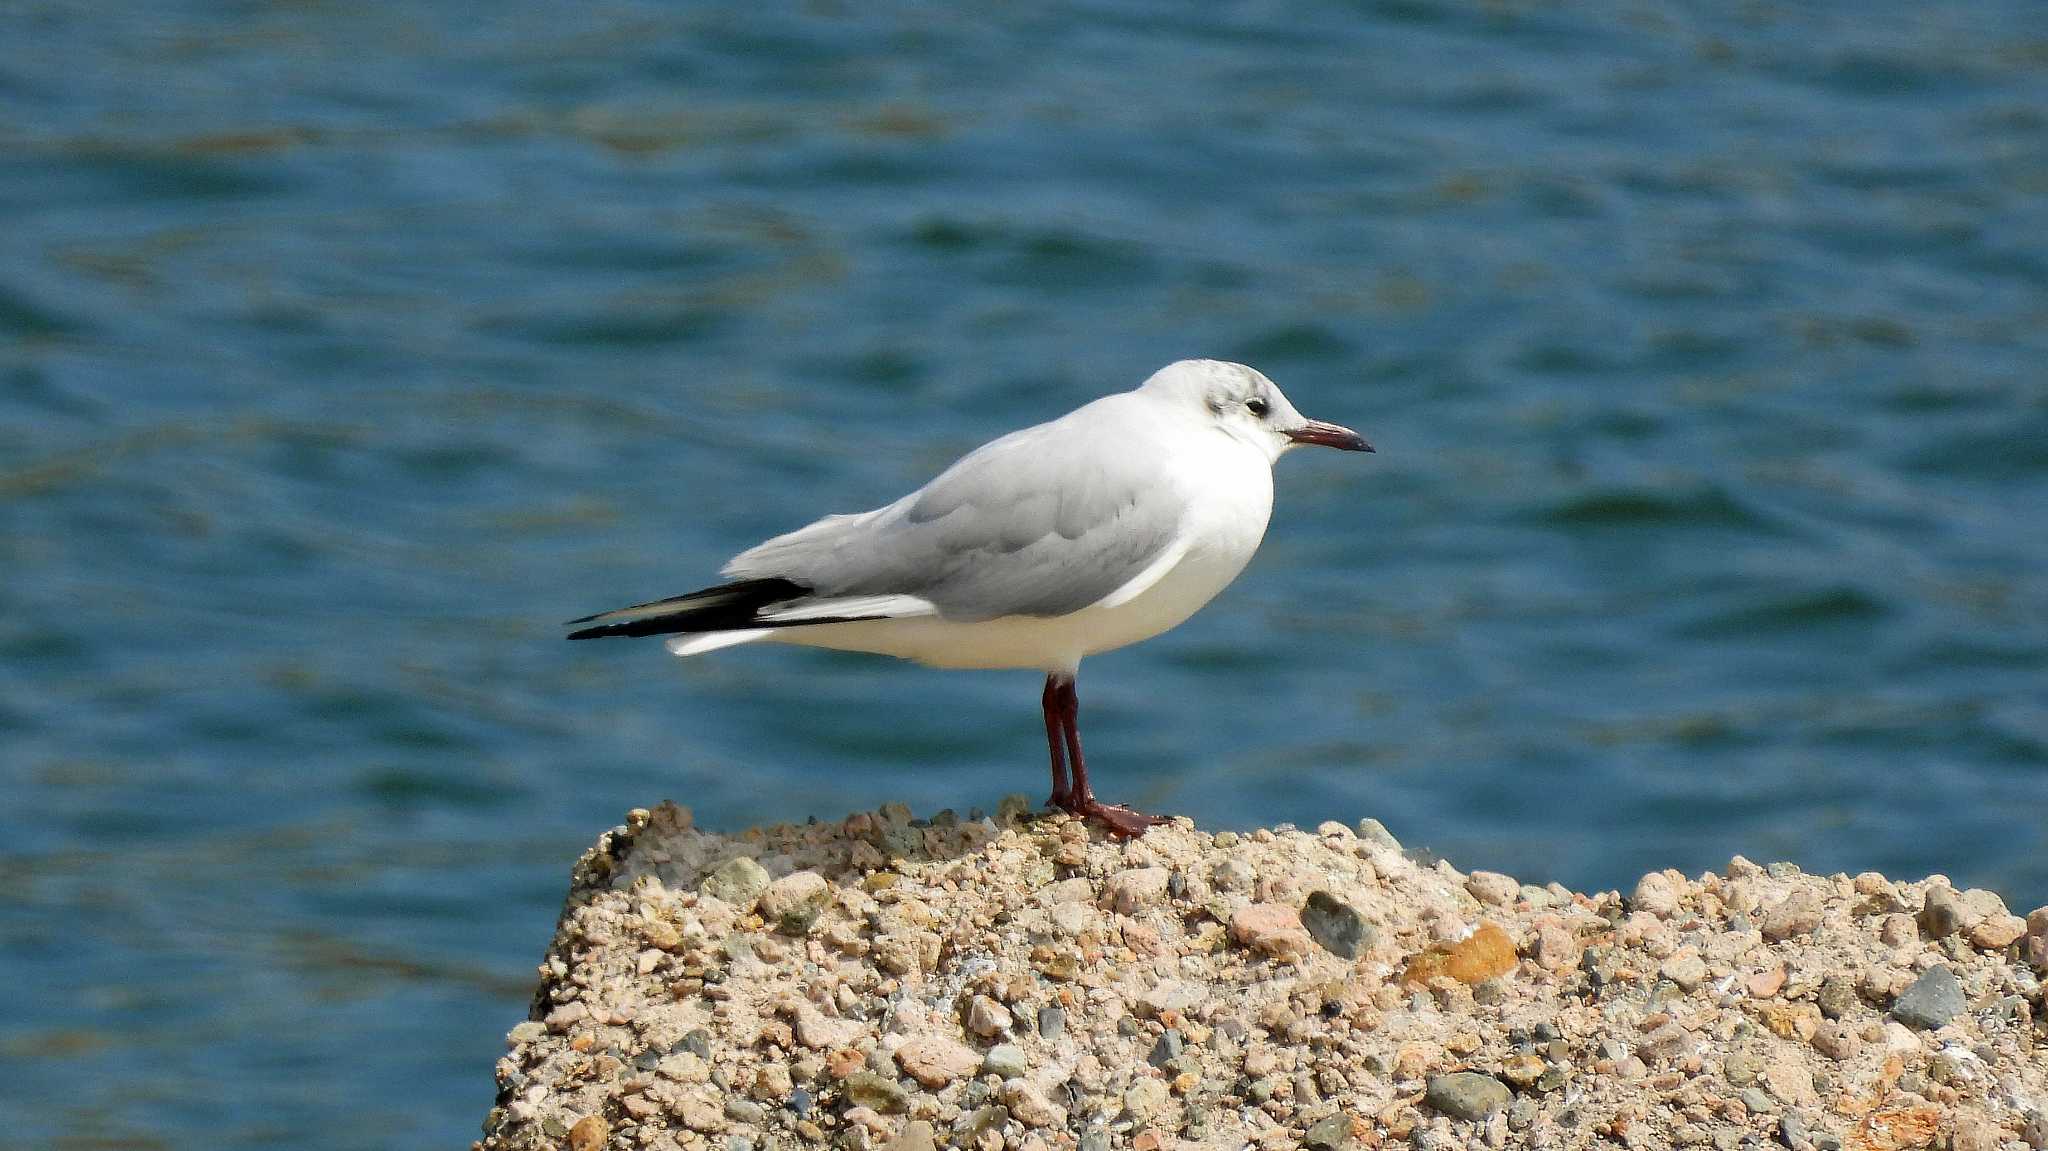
[1042, 522]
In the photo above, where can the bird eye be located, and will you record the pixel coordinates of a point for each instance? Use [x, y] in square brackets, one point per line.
[1256, 406]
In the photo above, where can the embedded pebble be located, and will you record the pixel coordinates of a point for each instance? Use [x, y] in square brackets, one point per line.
[1933, 999]
[1493, 888]
[1134, 889]
[738, 881]
[1337, 926]
[1467, 1095]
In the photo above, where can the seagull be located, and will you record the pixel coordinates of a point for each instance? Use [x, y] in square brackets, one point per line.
[1106, 526]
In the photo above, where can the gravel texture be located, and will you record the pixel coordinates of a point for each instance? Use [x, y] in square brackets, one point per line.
[1024, 983]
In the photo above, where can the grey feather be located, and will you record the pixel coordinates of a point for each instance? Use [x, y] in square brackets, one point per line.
[1042, 522]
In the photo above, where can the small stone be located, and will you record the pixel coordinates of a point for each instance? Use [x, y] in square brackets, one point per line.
[1686, 969]
[1755, 1099]
[819, 1033]
[1485, 954]
[1232, 874]
[1172, 995]
[1767, 982]
[1005, 1061]
[1837, 1041]
[1493, 889]
[916, 1135]
[589, 1133]
[1467, 1094]
[1052, 1021]
[566, 1016]
[791, 903]
[987, 1018]
[1742, 1068]
[1555, 948]
[1997, 932]
[934, 1060]
[1271, 929]
[1522, 1070]
[1933, 999]
[1897, 930]
[1792, 1131]
[1329, 1134]
[867, 1089]
[1337, 926]
[1837, 996]
[1796, 914]
[1135, 889]
[1974, 1131]
[1656, 894]
[738, 881]
[1941, 913]
[1667, 1043]
[1374, 832]
[1029, 1106]
[1166, 1050]
[743, 1111]
[1146, 1098]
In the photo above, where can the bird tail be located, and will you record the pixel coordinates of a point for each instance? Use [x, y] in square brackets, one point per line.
[740, 612]
[725, 608]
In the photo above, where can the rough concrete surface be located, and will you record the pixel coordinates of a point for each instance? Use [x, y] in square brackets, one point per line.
[1025, 983]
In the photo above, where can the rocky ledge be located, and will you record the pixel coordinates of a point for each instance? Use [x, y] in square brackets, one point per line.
[1020, 982]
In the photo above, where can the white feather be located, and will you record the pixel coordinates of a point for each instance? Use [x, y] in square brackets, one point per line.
[699, 642]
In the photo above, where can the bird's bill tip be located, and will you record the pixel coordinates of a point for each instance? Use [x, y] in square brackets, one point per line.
[1330, 436]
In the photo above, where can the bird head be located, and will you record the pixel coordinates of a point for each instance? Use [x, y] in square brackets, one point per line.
[1248, 407]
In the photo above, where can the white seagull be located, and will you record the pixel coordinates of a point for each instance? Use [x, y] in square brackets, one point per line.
[1101, 528]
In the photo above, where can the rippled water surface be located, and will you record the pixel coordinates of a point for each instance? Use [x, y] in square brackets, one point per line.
[346, 349]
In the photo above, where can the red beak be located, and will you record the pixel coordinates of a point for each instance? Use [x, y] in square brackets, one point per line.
[1329, 436]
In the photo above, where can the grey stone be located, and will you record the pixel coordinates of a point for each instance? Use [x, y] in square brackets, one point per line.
[1754, 1099]
[1305, 1089]
[697, 1043]
[1374, 832]
[1467, 1094]
[1934, 999]
[1941, 913]
[915, 1136]
[1331, 1134]
[800, 1102]
[738, 881]
[1051, 1022]
[1837, 996]
[1012, 808]
[1166, 1050]
[1005, 1061]
[1792, 1131]
[1337, 925]
[745, 1111]
[1522, 1115]
[877, 1091]
[1094, 1139]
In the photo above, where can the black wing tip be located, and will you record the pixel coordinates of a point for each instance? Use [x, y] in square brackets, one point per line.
[731, 606]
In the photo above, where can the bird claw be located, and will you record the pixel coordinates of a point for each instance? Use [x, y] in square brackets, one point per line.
[1120, 821]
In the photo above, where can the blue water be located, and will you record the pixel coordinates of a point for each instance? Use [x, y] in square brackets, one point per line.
[346, 349]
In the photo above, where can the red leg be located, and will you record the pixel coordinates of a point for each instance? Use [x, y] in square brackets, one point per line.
[1062, 792]
[1119, 821]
